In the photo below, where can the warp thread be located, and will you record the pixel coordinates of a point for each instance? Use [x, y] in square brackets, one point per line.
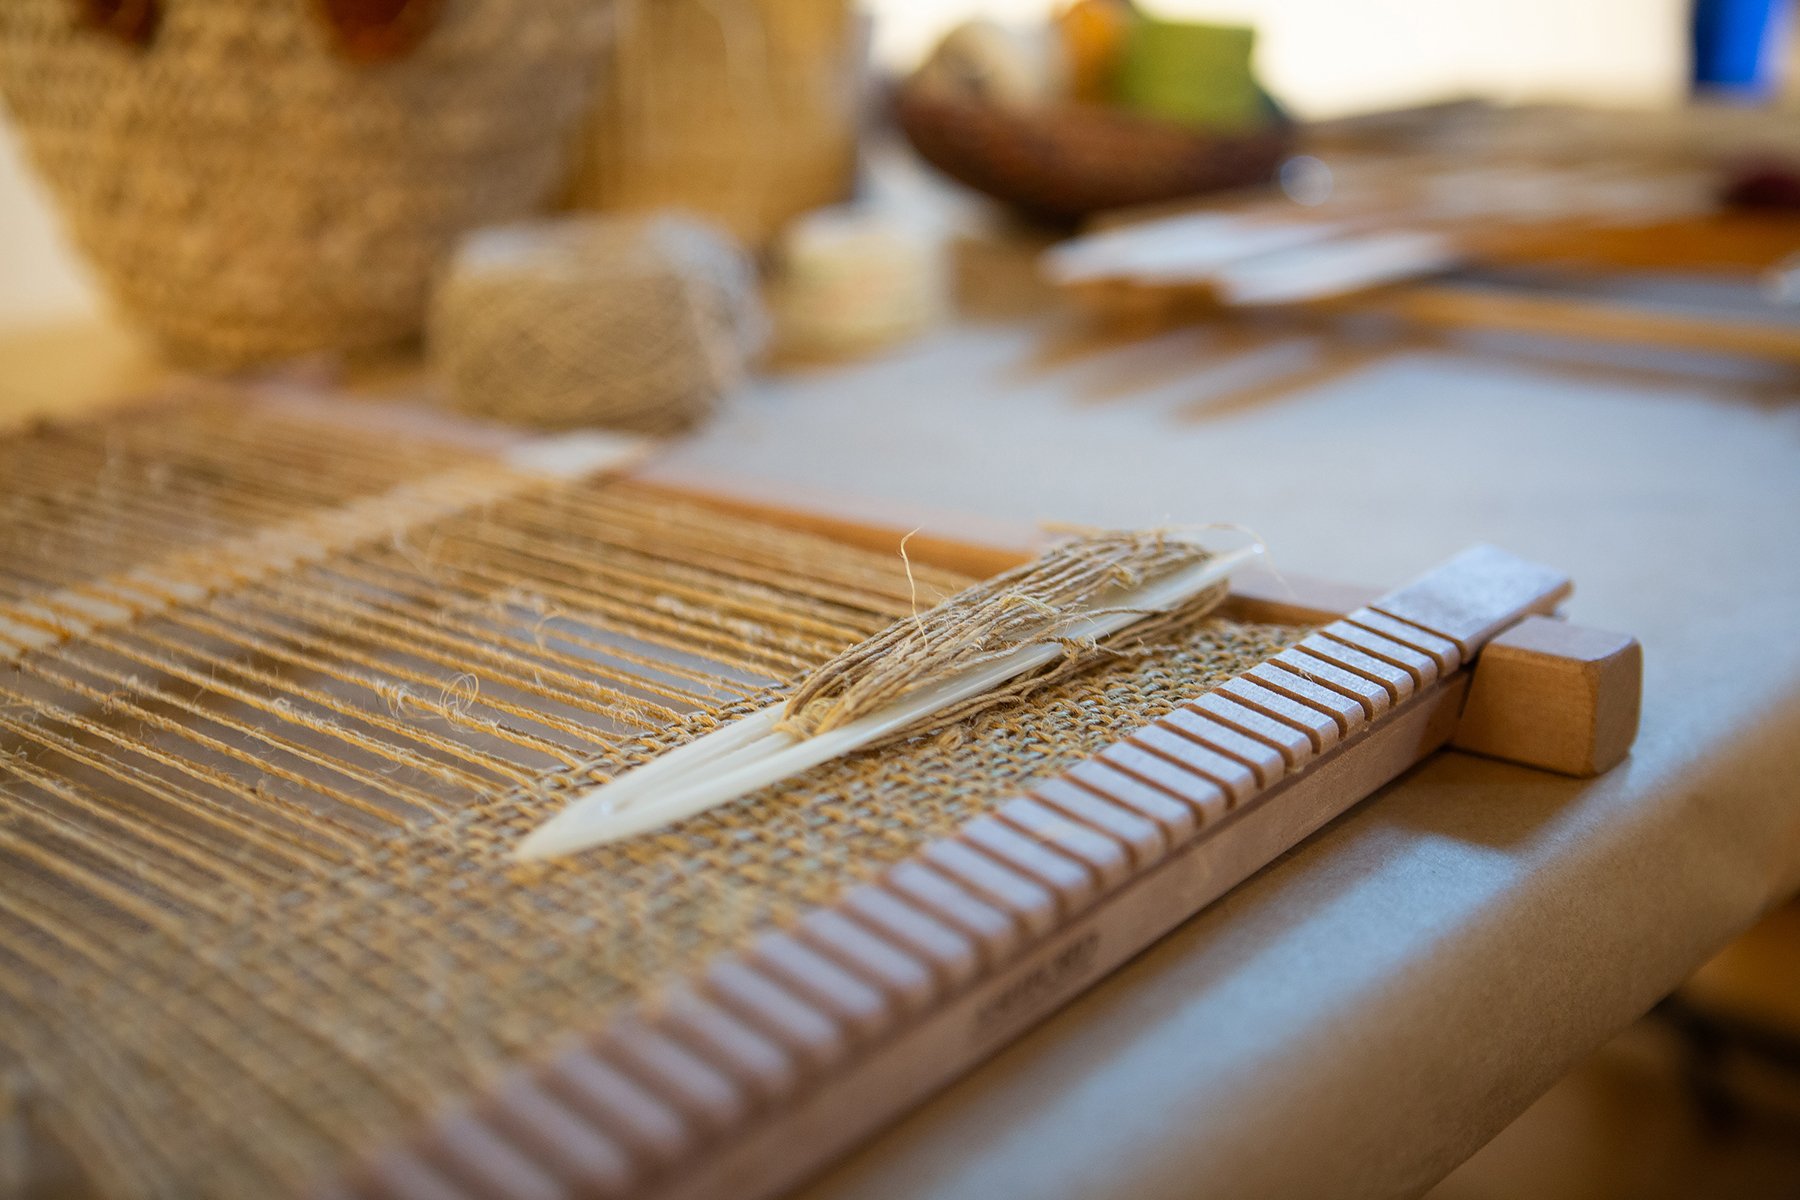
[637, 323]
[1032, 604]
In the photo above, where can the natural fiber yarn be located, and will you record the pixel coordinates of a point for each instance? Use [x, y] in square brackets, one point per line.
[637, 323]
[1035, 603]
[257, 179]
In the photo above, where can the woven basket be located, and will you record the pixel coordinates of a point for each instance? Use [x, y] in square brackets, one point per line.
[1069, 161]
[741, 111]
[261, 178]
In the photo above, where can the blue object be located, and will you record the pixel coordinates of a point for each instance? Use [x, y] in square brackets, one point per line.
[1738, 46]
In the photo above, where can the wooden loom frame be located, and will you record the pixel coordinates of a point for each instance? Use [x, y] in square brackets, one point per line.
[756, 1074]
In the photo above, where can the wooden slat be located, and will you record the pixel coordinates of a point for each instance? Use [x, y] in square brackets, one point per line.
[1167, 738]
[650, 1128]
[1031, 905]
[994, 932]
[1474, 596]
[815, 1039]
[575, 1151]
[1142, 839]
[701, 1088]
[903, 976]
[1000, 1005]
[953, 956]
[753, 1058]
[1264, 759]
[1441, 651]
[1397, 680]
[1105, 855]
[402, 1174]
[1514, 311]
[1421, 667]
[861, 1008]
[470, 1152]
[1371, 698]
[1176, 819]
[1289, 741]
[1321, 728]
[1208, 800]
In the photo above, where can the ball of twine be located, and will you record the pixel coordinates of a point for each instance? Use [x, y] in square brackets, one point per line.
[637, 323]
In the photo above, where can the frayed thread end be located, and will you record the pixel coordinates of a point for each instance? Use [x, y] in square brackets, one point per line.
[1033, 604]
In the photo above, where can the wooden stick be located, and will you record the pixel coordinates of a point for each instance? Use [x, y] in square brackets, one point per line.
[1450, 307]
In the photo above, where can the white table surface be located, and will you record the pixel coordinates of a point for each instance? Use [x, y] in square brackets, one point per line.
[1364, 1014]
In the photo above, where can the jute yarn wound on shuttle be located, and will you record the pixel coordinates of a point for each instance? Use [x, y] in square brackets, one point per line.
[260, 180]
[1031, 604]
[257, 902]
[638, 323]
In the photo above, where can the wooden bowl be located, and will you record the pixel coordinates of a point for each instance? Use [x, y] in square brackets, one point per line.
[1068, 161]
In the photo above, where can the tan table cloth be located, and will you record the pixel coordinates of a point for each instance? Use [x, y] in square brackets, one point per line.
[1367, 1012]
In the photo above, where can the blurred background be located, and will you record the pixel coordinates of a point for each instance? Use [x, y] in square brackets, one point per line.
[1324, 58]
[774, 122]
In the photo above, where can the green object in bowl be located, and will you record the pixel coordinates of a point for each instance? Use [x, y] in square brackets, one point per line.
[1198, 75]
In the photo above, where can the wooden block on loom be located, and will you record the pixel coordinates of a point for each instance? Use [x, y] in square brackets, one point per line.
[1555, 696]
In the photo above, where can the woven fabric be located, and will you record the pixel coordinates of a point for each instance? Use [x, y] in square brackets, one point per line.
[248, 193]
[257, 905]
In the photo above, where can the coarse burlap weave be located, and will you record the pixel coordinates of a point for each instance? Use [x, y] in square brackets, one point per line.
[249, 191]
[257, 902]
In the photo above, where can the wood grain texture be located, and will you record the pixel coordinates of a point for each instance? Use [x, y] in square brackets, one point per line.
[1555, 696]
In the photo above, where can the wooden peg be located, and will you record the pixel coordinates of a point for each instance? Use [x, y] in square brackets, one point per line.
[1556, 696]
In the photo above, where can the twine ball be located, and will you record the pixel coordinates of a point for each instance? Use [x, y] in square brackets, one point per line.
[636, 323]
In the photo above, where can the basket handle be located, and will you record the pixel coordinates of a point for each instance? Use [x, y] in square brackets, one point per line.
[133, 22]
[378, 31]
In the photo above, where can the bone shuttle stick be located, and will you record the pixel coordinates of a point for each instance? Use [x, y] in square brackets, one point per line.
[750, 753]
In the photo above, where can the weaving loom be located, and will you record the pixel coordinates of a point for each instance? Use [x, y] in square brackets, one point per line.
[285, 682]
